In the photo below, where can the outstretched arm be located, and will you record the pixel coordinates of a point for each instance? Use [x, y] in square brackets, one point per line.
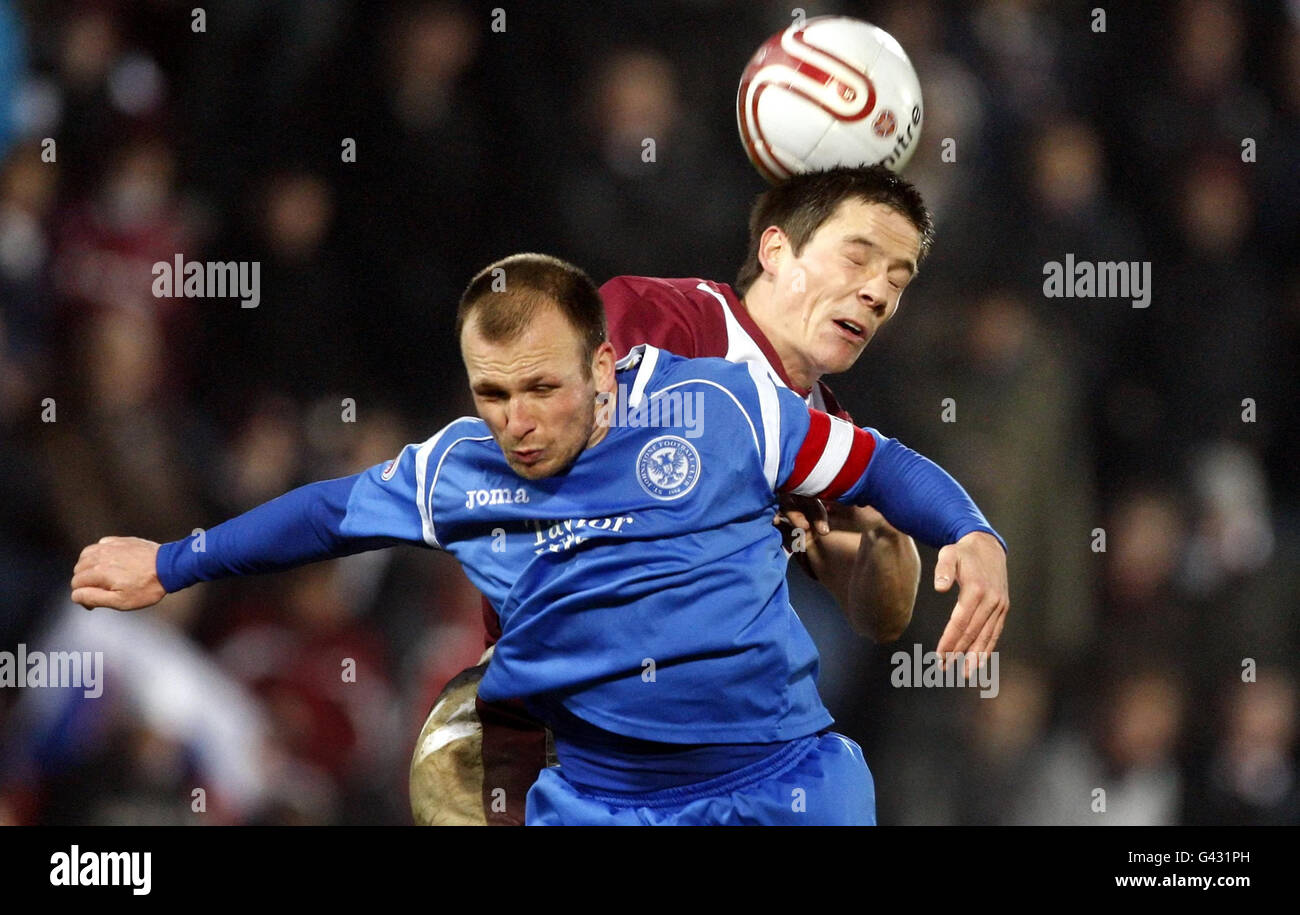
[301, 526]
[370, 510]
[835, 460]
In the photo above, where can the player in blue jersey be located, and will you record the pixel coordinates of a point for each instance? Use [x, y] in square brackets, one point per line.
[830, 255]
[620, 520]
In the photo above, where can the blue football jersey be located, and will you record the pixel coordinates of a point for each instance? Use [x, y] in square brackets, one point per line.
[643, 589]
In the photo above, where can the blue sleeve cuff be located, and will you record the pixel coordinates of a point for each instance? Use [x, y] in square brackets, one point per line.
[167, 565]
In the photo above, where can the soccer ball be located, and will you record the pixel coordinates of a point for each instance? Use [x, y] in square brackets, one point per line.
[832, 91]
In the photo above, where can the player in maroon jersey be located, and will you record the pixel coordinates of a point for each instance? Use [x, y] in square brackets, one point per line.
[829, 256]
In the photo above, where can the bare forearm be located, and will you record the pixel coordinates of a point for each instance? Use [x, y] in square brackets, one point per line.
[873, 576]
[885, 579]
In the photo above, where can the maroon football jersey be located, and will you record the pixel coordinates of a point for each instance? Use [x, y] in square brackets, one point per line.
[697, 318]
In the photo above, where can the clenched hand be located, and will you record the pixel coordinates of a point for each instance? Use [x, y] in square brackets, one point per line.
[117, 572]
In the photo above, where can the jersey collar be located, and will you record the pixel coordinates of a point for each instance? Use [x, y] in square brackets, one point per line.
[643, 358]
[746, 320]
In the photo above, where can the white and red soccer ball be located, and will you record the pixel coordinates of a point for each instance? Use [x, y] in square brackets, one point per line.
[831, 91]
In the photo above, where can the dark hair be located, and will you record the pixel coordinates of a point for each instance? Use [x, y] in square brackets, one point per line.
[801, 204]
[506, 295]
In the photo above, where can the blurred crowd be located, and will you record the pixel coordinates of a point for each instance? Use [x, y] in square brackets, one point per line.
[1139, 462]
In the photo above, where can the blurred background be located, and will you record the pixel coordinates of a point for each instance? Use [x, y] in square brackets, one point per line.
[1119, 669]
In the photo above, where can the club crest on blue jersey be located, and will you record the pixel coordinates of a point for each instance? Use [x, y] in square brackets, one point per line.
[668, 467]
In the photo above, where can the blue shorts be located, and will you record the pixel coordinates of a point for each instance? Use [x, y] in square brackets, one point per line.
[821, 780]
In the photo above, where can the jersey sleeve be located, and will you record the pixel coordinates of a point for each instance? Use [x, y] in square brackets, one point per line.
[648, 310]
[827, 457]
[376, 508]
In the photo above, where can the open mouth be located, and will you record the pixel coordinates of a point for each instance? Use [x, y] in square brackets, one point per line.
[854, 331]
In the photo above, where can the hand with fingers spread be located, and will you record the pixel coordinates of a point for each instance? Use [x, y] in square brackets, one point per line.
[978, 564]
[117, 572]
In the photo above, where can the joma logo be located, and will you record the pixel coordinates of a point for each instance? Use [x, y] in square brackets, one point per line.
[477, 497]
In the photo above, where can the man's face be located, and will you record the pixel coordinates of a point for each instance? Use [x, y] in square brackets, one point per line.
[845, 284]
[534, 394]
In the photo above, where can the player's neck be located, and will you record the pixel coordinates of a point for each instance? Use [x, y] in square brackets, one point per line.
[758, 302]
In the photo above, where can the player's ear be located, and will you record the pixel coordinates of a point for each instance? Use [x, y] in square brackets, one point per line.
[602, 366]
[772, 246]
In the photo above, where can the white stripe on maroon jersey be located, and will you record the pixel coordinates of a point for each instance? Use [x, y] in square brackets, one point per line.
[741, 347]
